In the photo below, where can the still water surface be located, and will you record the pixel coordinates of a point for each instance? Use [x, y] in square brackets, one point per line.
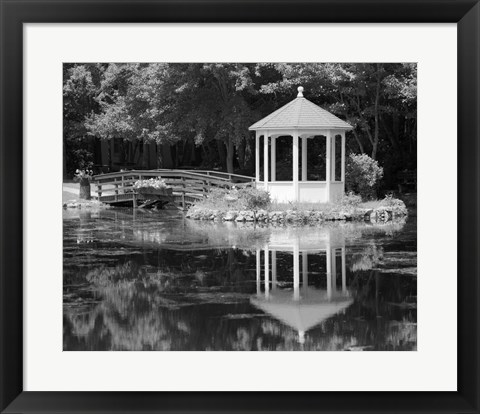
[158, 281]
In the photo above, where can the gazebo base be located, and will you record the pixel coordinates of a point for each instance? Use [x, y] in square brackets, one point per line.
[308, 191]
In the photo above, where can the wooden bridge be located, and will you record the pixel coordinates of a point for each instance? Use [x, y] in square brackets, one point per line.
[188, 186]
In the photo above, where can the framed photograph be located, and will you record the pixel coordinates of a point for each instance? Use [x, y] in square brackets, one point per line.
[239, 206]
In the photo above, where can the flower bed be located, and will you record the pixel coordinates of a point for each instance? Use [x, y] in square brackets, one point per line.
[154, 191]
[153, 186]
[350, 209]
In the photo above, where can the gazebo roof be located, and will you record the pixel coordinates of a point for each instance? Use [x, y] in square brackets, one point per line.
[303, 314]
[300, 114]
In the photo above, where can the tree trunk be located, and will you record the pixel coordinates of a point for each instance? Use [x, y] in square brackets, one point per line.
[230, 155]
[109, 150]
[188, 153]
[193, 156]
[377, 127]
[177, 155]
[64, 159]
[164, 156]
[222, 153]
[85, 189]
[241, 153]
[360, 145]
[392, 136]
[145, 154]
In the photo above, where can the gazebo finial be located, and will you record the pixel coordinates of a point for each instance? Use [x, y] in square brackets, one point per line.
[300, 92]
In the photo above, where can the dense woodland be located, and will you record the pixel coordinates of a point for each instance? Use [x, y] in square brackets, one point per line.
[197, 115]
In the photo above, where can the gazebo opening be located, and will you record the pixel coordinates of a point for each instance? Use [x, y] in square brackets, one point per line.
[309, 163]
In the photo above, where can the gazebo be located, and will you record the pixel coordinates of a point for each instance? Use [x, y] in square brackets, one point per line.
[304, 307]
[303, 119]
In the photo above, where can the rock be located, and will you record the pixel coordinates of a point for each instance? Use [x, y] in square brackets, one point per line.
[343, 215]
[230, 216]
[275, 216]
[365, 214]
[241, 216]
[316, 216]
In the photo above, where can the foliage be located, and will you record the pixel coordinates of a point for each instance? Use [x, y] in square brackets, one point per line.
[362, 175]
[390, 201]
[82, 175]
[255, 198]
[243, 198]
[80, 86]
[351, 200]
[156, 183]
[78, 157]
[184, 106]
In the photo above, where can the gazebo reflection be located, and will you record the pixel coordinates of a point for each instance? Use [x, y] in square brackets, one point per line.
[305, 306]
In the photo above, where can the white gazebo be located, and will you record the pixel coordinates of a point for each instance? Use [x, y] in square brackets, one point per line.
[303, 119]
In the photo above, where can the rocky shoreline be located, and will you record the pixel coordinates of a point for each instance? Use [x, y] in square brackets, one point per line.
[86, 204]
[379, 214]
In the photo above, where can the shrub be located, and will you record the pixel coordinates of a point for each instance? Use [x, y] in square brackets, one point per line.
[351, 200]
[255, 198]
[390, 201]
[243, 198]
[362, 175]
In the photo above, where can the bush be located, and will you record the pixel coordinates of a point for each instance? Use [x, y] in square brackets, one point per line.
[362, 175]
[351, 200]
[390, 201]
[255, 198]
[243, 198]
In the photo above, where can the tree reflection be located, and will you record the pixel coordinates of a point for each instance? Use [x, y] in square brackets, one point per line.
[128, 290]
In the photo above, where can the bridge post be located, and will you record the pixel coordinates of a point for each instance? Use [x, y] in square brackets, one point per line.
[116, 189]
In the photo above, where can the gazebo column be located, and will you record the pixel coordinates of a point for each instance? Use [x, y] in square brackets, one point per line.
[267, 272]
[333, 157]
[296, 272]
[329, 272]
[273, 158]
[265, 161]
[344, 272]
[328, 164]
[258, 272]
[274, 269]
[343, 163]
[304, 158]
[334, 270]
[304, 272]
[257, 156]
[295, 166]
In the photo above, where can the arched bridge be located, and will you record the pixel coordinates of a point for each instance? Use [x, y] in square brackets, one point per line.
[188, 186]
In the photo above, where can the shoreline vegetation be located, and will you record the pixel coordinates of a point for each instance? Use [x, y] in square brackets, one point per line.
[253, 205]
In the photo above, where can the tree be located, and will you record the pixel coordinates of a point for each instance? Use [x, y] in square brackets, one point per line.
[80, 86]
[196, 110]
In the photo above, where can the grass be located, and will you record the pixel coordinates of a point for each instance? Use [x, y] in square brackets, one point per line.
[67, 196]
[302, 206]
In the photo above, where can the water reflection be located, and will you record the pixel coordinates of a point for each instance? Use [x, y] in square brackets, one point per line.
[302, 307]
[160, 282]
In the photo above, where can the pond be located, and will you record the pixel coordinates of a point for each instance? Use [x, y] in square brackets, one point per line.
[146, 280]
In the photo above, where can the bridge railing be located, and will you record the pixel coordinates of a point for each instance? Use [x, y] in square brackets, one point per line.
[192, 183]
[235, 178]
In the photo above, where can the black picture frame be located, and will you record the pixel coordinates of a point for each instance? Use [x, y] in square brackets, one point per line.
[14, 13]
